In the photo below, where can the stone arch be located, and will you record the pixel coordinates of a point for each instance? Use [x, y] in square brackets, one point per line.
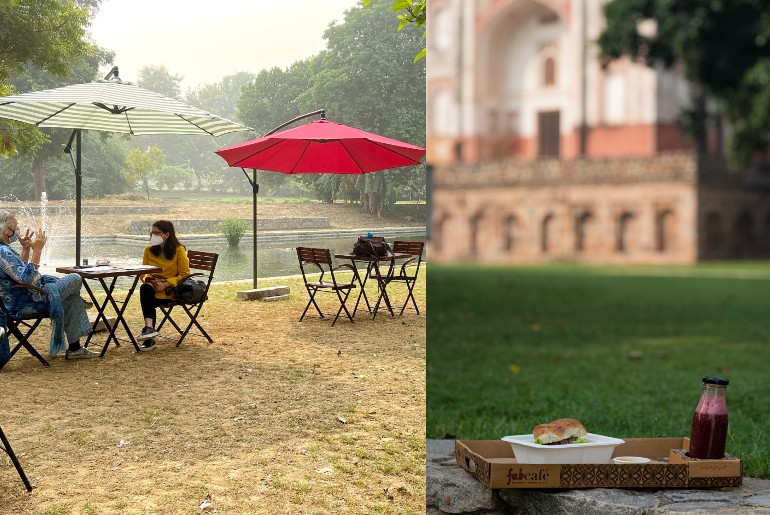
[713, 237]
[745, 235]
[557, 7]
[665, 236]
[624, 234]
[549, 76]
[510, 230]
[512, 51]
[546, 229]
[513, 45]
[475, 223]
[439, 231]
[549, 71]
[583, 221]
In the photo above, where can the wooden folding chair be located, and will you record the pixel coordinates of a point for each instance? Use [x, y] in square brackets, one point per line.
[27, 323]
[5, 445]
[409, 269]
[204, 264]
[322, 259]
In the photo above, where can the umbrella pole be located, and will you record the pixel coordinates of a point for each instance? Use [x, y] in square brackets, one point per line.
[78, 196]
[76, 162]
[254, 191]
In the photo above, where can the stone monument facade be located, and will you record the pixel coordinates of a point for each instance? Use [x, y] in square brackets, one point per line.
[540, 152]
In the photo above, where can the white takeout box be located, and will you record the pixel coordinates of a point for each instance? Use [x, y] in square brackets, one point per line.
[598, 449]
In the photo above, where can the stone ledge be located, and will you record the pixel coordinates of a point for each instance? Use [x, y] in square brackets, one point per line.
[264, 294]
[274, 298]
[192, 226]
[450, 489]
[101, 326]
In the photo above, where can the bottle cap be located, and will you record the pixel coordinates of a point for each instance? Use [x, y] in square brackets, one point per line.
[716, 380]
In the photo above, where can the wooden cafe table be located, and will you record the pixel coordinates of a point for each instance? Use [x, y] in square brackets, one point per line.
[107, 277]
[373, 265]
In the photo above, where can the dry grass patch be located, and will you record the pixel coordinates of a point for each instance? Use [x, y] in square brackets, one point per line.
[276, 416]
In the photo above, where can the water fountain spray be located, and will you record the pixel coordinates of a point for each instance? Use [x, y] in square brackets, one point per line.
[44, 225]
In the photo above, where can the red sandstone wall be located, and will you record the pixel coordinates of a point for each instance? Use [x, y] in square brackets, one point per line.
[626, 141]
[585, 201]
[670, 138]
[638, 140]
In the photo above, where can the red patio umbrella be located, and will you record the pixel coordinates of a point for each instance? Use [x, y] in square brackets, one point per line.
[320, 146]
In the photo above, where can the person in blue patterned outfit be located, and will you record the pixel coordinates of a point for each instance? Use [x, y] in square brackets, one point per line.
[62, 301]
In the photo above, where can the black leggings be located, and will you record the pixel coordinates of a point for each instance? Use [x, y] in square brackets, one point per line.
[149, 301]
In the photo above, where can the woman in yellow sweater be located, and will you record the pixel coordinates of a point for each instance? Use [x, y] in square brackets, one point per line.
[166, 252]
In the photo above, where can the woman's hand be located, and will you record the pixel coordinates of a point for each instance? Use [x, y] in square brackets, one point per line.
[39, 240]
[26, 240]
[160, 285]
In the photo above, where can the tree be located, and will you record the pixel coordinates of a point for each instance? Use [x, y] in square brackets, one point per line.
[410, 11]
[724, 48]
[367, 78]
[169, 177]
[160, 80]
[271, 98]
[195, 152]
[222, 97]
[46, 34]
[143, 166]
[102, 160]
[83, 68]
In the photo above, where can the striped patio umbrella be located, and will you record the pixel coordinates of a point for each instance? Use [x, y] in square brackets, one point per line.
[111, 106]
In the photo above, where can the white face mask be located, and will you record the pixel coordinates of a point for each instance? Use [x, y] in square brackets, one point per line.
[155, 239]
[14, 237]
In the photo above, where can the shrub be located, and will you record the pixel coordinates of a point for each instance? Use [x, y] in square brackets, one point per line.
[233, 229]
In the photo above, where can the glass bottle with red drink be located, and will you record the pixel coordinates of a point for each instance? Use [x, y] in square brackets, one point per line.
[709, 424]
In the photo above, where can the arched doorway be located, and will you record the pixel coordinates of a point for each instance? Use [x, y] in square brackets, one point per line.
[475, 228]
[509, 233]
[582, 223]
[745, 236]
[664, 231]
[622, 242]
[713, 239]
[545, 233]
[522, 65]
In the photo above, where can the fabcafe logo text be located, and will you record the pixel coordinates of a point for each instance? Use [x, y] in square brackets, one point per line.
[541, 475]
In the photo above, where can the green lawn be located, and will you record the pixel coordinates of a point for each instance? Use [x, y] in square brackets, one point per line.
[622, 349]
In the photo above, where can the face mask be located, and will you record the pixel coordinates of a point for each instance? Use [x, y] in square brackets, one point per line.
[14, 237]
[155, 239]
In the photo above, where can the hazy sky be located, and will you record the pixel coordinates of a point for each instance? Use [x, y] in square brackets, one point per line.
[204, 40]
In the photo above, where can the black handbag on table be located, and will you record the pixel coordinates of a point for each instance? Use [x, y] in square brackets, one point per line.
[371, 246]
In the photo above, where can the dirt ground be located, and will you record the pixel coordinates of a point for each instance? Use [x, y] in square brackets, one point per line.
[276, 416]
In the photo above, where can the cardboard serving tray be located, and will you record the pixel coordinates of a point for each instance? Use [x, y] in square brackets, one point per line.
[493, 463]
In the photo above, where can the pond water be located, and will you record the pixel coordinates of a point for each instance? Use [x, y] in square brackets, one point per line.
[274, 259]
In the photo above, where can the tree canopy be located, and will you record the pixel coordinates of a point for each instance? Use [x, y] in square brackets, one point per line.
[44, 34]
[724, 48]
[410, 11]
[143, 166]
[366, 78]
